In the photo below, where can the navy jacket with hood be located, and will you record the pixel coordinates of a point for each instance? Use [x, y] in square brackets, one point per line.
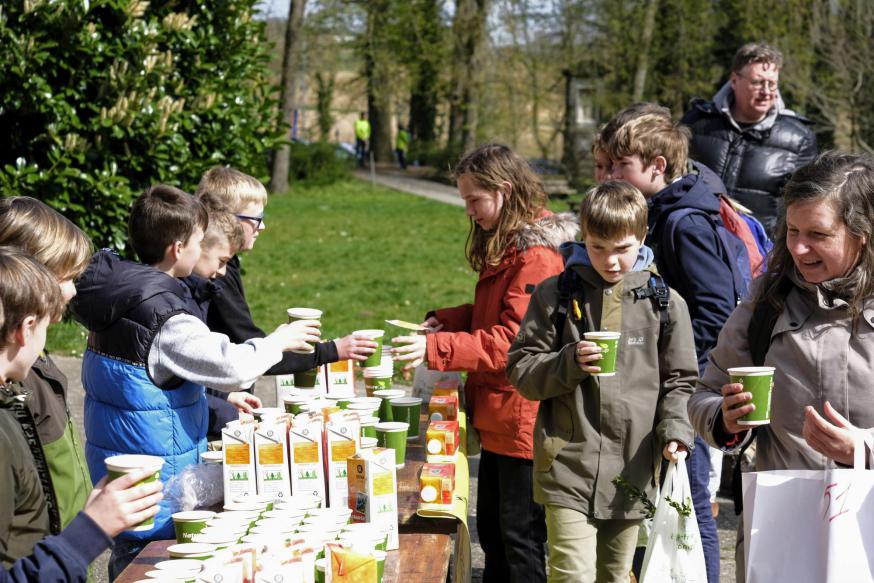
[124, 304]
[693, 263]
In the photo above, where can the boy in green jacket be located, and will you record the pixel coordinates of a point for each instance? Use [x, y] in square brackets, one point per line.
[591, 429]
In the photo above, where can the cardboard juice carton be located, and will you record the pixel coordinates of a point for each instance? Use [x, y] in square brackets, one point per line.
[443, 408]
[305, 460]
[437, 483]
[373, 490]
[441, 438]
[271, 458]
[238, 447]
[446, 387]
[342, 439]
[341, 378]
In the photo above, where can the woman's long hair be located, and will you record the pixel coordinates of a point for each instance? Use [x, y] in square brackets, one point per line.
[846, 181]
[489, 166]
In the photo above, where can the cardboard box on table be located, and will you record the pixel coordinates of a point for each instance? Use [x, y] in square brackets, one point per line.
[342, 440]
[306, 457]
[373, 490]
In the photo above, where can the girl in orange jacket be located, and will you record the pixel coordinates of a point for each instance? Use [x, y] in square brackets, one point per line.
[513, 245]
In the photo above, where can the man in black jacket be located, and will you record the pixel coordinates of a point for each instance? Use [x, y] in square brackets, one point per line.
[748, 136]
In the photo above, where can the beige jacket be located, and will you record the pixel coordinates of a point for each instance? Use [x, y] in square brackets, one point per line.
[818, 357]
[591, 429]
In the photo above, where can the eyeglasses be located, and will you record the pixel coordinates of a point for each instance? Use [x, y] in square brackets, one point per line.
[258, 220]
[759, 84]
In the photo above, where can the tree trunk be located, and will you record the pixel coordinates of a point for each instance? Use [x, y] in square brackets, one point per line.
[469, 33]
[288, 96]
[646, 34]
[378, 83]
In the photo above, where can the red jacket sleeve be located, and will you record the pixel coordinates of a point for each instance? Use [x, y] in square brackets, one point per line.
[455, 319]
[485, 349]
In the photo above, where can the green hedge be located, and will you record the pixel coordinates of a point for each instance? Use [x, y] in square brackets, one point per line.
[101, 98]
[319, 163]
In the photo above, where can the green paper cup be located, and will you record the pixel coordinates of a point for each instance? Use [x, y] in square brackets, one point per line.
[295, 314]
[609, 343]
[320, 570]
[393, 435]
[759, 381]
[307, 379]
[221, 540]
[368, 442]
[190, 523]
[368, 426]
[293, 403]
[377, 383]
[199, 551]
[375, 335]
[385, 410]
[119, 465]
[380, 564]
[338, 401]
[407, 410]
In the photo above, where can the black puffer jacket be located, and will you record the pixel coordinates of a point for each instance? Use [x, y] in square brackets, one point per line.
[754, 162]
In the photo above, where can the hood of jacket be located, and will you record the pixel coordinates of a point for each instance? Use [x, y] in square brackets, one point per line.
[111, 287]
[690, 191]
[724, 99]
[575, 253]
[549, 230]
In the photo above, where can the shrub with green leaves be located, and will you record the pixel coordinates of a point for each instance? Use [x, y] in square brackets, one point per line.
[319, 163]
[101, 98]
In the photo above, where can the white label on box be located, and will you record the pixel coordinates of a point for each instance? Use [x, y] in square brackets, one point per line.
[271, 459]
[343, 438]
[239, 460]
[305, 459]
[373, 490]
[341, 378]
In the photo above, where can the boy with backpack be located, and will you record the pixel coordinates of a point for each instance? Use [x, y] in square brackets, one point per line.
[694, 251]
[591, 429]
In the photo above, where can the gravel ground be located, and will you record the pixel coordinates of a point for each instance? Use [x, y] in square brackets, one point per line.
[727, 522]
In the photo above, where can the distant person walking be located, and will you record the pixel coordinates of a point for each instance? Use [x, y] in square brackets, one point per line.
[748, 136]
[402, 144]
[362, 138]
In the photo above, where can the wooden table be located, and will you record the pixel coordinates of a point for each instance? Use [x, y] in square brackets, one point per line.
[422, 558]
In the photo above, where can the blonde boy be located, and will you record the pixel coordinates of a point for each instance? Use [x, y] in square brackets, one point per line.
[229, 312]
[591, 429]
[650, 151]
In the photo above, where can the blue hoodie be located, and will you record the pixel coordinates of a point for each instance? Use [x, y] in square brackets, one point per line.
[693, 263]
[575, 253]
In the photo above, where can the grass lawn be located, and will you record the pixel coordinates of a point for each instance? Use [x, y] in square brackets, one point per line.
[361, 254]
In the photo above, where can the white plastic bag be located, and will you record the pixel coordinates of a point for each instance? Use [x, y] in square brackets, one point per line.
[674, 553]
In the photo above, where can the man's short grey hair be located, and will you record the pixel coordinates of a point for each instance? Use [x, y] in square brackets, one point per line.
[756, 53]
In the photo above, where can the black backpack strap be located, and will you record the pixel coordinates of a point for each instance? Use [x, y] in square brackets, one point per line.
[759, 332]
[660, 294]
[28, 428]
[568, 283]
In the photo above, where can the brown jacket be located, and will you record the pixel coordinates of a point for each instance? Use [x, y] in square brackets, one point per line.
[591, 429]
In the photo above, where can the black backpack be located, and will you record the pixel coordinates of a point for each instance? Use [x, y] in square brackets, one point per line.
[569, 282]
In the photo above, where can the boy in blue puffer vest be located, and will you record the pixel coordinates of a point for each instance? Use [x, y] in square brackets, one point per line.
[150, 353]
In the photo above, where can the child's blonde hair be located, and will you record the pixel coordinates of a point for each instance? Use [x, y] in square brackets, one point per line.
[646, 130]
[234, 188]
[489, 166]
[47, 235]
[223, 225]
[613, 209]
[27, 288]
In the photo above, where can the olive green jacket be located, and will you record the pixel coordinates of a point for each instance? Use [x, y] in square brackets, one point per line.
[592, 429]
[46, 391]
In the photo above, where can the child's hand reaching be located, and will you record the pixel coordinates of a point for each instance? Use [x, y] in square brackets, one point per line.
[299, 335]
[674, 451]
[410, 349]
[244, 401]
[119, 505]
[586, 353]
[354, 347]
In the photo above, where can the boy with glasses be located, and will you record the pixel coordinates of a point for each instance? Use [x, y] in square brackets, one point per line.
[748, 136]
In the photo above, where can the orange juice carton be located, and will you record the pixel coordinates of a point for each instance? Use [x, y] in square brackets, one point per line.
[446, 387]
[373, 490]
[443, 408]
[305, 459]
[441, 438]
[239, 459]
[342, 439]
[271, 457]
[349, 566]
[437, 483]
[341, 378]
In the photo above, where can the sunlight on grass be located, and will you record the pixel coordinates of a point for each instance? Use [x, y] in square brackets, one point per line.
[360, 254]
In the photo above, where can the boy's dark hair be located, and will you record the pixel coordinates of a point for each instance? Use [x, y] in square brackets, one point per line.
[161, 216]
[27, 288]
